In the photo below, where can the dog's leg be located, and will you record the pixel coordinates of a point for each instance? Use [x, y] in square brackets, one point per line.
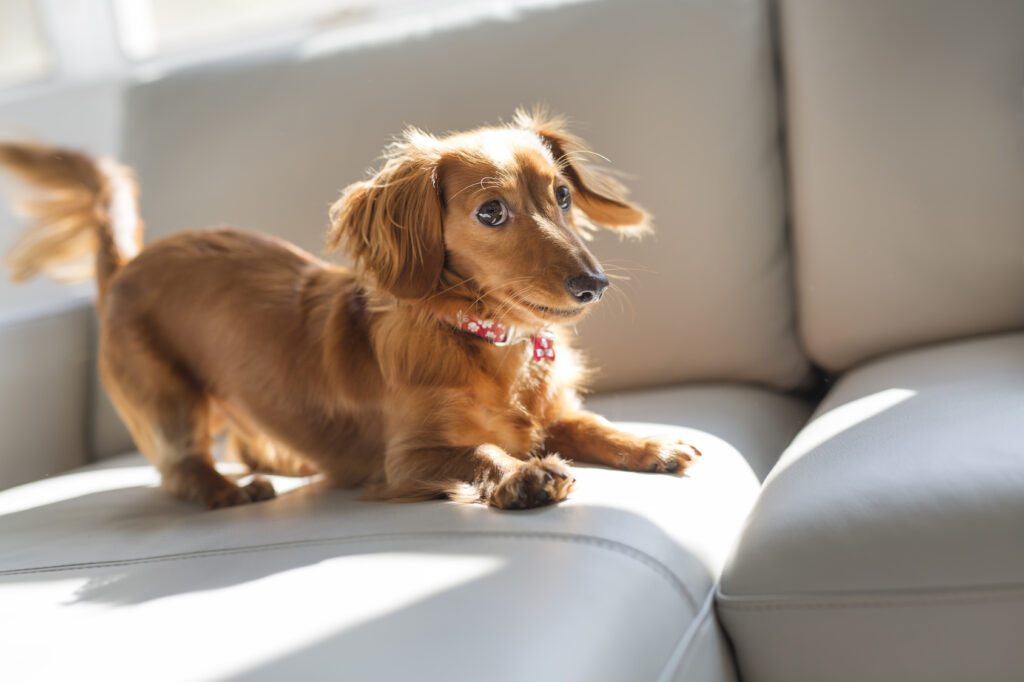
[585, 437]
[484, 473]
[169, 420]
[261, 455]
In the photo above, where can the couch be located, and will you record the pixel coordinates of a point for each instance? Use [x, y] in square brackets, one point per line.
[832, 310]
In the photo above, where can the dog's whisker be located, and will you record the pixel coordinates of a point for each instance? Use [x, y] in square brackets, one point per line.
[463, 282]
[498, 287]
[483, 294]
[483, 184]
[564, 160]
[621, 297]
[626, 266]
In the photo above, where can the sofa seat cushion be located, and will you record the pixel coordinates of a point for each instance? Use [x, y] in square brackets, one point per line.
[757, 423]
[614, 584]
[888, 542]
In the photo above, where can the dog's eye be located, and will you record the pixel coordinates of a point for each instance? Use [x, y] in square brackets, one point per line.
[492, 214]
[563, 197]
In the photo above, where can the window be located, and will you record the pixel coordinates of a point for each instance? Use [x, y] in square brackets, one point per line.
[79, 41]
[150, 28]
[24, 55]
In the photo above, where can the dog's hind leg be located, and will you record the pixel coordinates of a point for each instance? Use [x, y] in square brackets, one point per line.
[169, 418]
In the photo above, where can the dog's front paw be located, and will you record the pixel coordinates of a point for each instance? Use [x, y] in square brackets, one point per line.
[664, 455]
[535, 483]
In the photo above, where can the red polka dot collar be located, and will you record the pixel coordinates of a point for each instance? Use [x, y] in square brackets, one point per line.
[501, 335]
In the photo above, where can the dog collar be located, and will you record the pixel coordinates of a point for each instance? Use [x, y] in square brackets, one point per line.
[501, 335]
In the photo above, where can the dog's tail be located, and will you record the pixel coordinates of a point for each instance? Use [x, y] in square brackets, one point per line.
[86, 217]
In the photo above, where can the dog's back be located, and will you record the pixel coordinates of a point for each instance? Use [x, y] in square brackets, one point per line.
[249, 318]
[206, 329]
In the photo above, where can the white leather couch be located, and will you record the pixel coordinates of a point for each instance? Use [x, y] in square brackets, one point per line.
[838, 190]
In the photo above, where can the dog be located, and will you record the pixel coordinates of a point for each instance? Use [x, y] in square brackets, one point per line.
[437, 366]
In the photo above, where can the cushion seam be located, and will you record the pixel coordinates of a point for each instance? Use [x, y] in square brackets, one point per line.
[684, 647]
[570, 538]
[868, 600]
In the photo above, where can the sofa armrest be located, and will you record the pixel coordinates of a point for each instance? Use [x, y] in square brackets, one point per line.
[45, 370]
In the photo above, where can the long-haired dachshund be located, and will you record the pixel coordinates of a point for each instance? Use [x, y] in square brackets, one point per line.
[436, 366]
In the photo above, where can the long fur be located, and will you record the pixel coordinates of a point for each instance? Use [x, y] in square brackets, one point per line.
[356, 373]
[73, 235]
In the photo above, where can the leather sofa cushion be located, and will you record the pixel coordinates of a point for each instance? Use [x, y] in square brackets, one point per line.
[755, 422]
[45, 384]
[615, 584]
[887, 542]
[906, 138]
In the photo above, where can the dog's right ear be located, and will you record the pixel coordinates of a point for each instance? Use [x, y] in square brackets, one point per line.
[391, 224]
[600, 197]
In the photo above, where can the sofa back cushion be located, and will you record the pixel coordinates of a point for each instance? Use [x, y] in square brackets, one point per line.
[906, 130]
[45, 382]
[680, 96]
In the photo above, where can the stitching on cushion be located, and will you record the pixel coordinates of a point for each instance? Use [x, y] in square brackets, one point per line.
[882, 600]
[601, 543]
[683, 648]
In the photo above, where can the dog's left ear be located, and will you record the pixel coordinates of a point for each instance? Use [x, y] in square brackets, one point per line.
[392, 224]
[599, 196]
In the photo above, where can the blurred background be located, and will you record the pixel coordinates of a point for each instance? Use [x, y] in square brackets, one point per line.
[256, 114]
[65, 65]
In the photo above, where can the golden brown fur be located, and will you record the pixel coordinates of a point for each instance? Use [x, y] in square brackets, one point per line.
[357, 373]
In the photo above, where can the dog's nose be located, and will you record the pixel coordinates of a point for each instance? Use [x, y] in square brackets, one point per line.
[587, 288]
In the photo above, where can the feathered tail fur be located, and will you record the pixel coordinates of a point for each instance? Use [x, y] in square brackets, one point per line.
[86, 219]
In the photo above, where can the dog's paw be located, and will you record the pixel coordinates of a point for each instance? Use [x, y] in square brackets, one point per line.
[665, 456]
[535, 483]
[260, 489]
[231, 495]
[225, 496]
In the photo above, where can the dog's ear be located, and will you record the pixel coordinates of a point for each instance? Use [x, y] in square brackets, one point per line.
[599, 196]
[391, 224]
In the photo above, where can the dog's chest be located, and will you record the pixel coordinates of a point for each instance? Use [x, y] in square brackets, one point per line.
[514, 411]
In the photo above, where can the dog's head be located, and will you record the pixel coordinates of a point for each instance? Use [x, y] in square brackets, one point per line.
[496, 215]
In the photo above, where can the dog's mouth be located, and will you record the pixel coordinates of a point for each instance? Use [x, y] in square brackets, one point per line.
[548, 311]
